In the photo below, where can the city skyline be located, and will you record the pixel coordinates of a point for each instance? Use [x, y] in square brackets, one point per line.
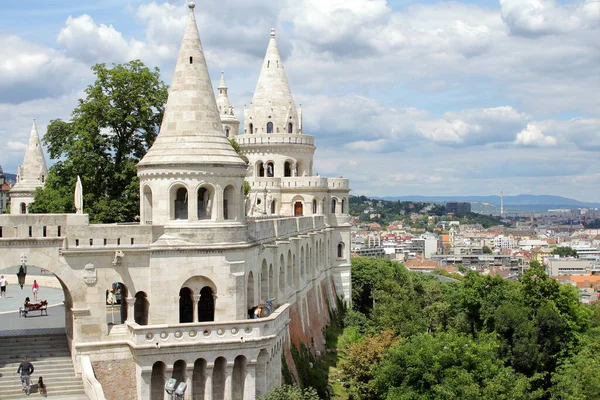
[403, 97]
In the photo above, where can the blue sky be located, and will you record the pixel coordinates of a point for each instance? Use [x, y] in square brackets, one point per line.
[404, 97]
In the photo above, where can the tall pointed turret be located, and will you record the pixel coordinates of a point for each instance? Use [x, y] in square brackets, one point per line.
[231, 124]
[30, 175]
[273, 109]
[191, 130]
[191, 174]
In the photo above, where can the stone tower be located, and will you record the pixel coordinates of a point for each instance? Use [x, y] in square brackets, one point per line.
[231, 125]
[191, 175]
[30, 175]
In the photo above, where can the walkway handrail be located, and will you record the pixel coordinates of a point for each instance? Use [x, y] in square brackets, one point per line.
[93, 388]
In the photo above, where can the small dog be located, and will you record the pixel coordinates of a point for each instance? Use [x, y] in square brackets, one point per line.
[41, 386]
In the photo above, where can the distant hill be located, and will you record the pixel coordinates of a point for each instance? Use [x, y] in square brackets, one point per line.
[12, 178]
[523, 202]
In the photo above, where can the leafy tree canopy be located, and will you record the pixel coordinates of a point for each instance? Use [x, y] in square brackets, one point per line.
[109, 132]
[291, 392]
[565, 251]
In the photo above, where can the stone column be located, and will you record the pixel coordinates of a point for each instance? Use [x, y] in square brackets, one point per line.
[195, 307]
[228, 382]
[189, 373]
[208, 389]
[250, 382]
[144, 383]
[192, 205]
[130, 309]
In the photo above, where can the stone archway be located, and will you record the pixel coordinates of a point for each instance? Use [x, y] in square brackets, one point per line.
[206, 305]
[186, 305]
[141, 308]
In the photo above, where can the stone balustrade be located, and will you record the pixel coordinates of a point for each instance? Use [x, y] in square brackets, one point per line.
[338, 183]
[274, 138]
[305, 224]
[210, 332]
[261, 229]
[301, 182]
[296, 182]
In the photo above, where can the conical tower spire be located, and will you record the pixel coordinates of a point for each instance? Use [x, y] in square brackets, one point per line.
[191, 131]
[30, 175]
[272, 102]
[231, 124]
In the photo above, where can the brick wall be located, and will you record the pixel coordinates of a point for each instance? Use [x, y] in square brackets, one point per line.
[117, 378]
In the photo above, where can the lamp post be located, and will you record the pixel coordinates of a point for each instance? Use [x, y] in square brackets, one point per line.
[22, 271]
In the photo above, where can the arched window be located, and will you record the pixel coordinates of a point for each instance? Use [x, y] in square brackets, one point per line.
[270, 170]
[157, 381]
[147, 205]
[205, 203]
[264, 282]
[140, 308]
[343, 205]
[226, 132]
[333, 205]
[340, 250]
[298, 209]
[251, 128]
[229, 203]
[287, 169]
[314, 204]
[261, 169]
[186, 306]
[23, 208]
[180, 205]
[290, 128]
[206, 305]
[269, 127]
[273, 206]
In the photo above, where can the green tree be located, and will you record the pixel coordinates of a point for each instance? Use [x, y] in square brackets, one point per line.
[565, 251]
[368, 275]
[486, 250]
[448, 366]
[291, 392]
[109, 132]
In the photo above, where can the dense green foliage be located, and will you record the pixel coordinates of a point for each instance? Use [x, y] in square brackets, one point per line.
[109, 132]
[412, 336]
[565, 251]
[417, 215]
[291, 392]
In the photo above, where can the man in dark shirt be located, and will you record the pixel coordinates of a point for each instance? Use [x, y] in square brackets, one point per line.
[25, 369]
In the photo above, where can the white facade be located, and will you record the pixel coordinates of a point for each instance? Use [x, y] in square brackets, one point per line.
[197, 261]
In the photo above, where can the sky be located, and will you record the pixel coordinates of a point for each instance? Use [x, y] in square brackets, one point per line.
[403, 97]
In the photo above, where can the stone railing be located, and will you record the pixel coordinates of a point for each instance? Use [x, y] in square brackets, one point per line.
[40, 225]
[338, 183]
[100, 236]
[261, 229]
[210, 332]
[286, 227]
[93, 388]
[305, 182]
[262, 183]
[274, 138]
[305, 224]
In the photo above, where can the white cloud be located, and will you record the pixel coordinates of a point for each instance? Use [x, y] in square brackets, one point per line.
[84, 40]
[366, 145]
[544, 17]
[532, 135]
[29, 71]
[18, 146]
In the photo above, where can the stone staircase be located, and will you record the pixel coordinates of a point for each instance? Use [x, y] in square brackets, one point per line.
[50, 355]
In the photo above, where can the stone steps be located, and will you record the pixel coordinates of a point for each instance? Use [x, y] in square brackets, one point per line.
[51, 359]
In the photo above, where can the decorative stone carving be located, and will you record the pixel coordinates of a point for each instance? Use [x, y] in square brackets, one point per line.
[118, 260]
[90, 276]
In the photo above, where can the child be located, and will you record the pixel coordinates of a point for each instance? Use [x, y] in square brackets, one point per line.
[41, 386]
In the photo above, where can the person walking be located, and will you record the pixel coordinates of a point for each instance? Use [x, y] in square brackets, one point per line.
[3, 284]
[35, 288]
[25, 369]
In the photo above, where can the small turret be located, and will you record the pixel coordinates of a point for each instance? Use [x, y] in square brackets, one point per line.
[231, 124]
[30, 175]
[272, 109]
[191, 175]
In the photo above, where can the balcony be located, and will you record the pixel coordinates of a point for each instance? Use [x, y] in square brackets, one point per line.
[209, 333]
